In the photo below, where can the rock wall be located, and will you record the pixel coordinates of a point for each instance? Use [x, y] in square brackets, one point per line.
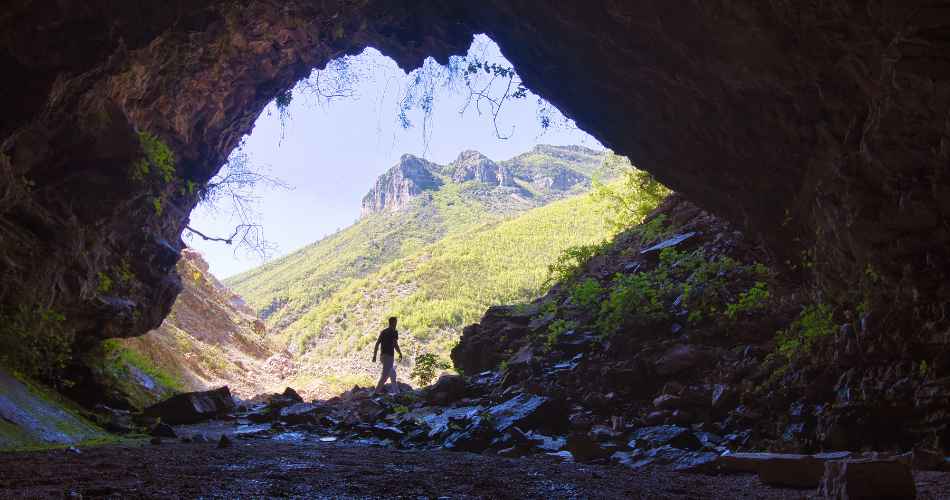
[400, 184]
[820, 126]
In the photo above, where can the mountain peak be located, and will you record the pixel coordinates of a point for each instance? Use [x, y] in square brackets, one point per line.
[401, 183]
[473, 165]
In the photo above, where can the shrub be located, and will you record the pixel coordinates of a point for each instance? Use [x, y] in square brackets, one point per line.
[753, 299]
[814, 323]
[568, 265]
[556, 329]
[425, 368]
[627, 201]
[34, 340]
[587, 293]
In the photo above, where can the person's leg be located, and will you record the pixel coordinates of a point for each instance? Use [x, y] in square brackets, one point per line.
[395, 382]
[386, 361]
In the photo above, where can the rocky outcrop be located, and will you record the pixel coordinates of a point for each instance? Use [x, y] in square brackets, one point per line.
[474, 166]
[210, 339]
[682, 350]
[400, 184]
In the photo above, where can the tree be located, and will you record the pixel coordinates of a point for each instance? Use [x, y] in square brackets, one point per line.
[233, 190]
[631, 197]
[423, 372]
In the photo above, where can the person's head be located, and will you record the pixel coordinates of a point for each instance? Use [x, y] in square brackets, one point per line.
[392, 322]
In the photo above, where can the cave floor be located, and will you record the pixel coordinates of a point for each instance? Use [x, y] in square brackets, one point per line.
[268, 468]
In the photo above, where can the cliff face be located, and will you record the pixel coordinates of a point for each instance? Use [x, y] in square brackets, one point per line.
[820, 126]
[400, 184]
[210, 339]
[474, 166]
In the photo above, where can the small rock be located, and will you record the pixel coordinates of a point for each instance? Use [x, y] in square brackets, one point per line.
[654, 437]
[680, 358]
[156, 440]
[224, 442]
[73, 450]
[668, 402]
[513, 452]
[867, 478]
[584, 449]
[163, 430]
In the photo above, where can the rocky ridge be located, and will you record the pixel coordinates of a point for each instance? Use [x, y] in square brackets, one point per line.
[546, 173]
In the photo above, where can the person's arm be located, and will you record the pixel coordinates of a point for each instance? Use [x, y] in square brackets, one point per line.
[376, 348]
[396, 345]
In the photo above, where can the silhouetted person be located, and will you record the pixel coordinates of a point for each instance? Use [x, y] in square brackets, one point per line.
[389, 340]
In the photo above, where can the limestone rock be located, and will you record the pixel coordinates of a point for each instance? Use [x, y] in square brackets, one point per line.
[193, 407]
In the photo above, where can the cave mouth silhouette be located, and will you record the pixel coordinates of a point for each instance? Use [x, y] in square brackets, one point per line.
[359, 114]
[817, 126]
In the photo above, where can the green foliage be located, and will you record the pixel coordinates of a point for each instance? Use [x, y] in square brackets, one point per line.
[124, 272]
[568, 265]
[159, 159]
[753, 299]
[634, 296]
[556, 329]
[653, 229]
[157, 205]
[628, 201]
[35, 341]
[815, 322]
[587, 293]
[697, 285]
[115, 359]
[105, 283]
[425, 368]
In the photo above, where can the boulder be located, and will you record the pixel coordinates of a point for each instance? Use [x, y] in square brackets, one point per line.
[660, 435]
[669, 402]
[680, 358]
[583, 448]
[192, 407]
[867, 478]
[301, 413]
[528, 411]
[446, 390]
[781, 469]
[287, 398]
[119, 421]
[162, 430]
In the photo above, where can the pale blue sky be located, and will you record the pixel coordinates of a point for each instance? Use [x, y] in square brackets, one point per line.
[332, 152]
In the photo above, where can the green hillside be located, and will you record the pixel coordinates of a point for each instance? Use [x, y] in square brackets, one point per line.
[284, 290]
[449, 284]
[436, 246]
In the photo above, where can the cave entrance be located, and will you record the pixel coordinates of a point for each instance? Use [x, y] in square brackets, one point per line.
[382, 174]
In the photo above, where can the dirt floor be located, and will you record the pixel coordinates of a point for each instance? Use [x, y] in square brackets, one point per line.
[268, 468]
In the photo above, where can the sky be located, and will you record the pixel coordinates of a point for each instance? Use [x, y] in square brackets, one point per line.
[329, 151]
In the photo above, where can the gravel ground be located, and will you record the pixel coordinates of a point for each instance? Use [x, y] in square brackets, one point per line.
[268, 468]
